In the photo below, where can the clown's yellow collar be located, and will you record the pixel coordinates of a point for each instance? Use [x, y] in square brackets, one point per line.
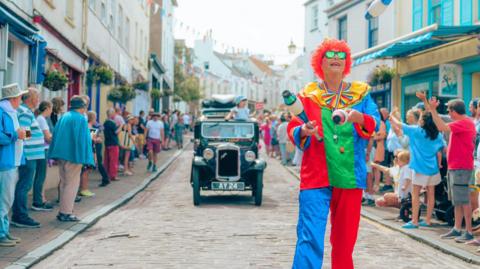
[350, 94]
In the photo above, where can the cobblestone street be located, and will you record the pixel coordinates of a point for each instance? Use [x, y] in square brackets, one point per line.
[161, 228]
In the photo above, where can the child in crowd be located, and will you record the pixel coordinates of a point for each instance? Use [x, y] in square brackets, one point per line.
[402, 176]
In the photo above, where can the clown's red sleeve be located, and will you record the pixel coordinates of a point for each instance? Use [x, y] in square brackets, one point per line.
[294, 134]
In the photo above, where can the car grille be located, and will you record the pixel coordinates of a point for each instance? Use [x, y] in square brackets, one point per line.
[227, 163]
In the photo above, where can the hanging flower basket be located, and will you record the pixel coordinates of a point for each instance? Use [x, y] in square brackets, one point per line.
[55, 80]
[104, 75]
[156, 93]
[141, 86]
[121, 94]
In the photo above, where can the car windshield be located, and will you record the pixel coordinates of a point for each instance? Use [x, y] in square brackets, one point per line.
[227, 130]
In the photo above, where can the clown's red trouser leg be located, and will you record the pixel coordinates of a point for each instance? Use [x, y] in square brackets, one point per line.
[344, 217]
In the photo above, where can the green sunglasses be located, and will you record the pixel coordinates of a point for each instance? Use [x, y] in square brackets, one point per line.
[330, 54]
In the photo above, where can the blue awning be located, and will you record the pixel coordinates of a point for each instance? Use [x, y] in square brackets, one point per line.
[440, 36]
[17, 25]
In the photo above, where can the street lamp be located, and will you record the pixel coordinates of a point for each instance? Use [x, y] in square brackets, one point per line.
[292, 47]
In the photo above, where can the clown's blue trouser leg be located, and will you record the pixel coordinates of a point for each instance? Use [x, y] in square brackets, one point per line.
[312, 219]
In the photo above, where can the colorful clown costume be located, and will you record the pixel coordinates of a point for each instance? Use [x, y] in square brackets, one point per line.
[333, 172]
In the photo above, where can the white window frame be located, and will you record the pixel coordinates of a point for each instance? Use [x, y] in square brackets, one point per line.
[103, 13]
[315, 17]
[127, 34]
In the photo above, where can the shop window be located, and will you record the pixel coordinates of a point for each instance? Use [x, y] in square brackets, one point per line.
[410, 98]
[372, 32]
[342, 28]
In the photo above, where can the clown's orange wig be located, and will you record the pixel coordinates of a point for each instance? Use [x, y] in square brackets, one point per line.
[330, 45]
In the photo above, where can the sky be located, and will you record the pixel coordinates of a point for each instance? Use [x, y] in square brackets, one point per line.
[261, 26]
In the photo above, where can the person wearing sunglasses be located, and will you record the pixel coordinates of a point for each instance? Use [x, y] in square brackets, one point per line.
[333, 174]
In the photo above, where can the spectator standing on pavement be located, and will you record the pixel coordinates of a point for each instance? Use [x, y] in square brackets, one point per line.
[167, 131]
[155, 136]
[112, 151]
[43, 113]
[267, 136]
[84, 191]
[57, 111]
[119, 120]
[141, 134]
[11, 151]
[72, 148]
[98, 150]
[179, 130]
[475, 113]
[426, 145]
[460, 162]
[379, 143]
[34, 152]
[282, 139]
[126, 143]
[187, 121]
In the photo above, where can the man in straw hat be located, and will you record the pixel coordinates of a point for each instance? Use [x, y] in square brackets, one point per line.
[11, 149]
[72, 148]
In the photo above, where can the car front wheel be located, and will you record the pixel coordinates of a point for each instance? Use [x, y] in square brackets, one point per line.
[258, 189]
[196, 186]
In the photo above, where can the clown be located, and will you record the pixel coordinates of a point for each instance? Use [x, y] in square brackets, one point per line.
[333, 173]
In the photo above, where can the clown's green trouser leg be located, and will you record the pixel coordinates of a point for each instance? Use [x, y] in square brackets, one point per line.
[312, 219]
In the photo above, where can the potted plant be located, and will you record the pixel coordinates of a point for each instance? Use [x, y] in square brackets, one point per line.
[156, 93]
[103, 74]
[121, 94]
[386, 76]
[55, 80]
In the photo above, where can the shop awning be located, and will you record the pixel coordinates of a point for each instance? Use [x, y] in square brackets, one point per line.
[18, 26]
[438, 35]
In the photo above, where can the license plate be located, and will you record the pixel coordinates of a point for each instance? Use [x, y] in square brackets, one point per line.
[228, 186]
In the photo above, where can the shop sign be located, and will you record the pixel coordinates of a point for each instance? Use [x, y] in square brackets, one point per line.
[450, 80]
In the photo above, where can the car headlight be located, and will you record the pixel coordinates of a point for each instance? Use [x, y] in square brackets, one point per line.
[250, 156]
[208, 154]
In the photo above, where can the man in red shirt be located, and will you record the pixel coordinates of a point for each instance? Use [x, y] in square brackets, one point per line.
[460, 162]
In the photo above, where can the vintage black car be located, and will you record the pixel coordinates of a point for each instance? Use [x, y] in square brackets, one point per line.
[225, 153]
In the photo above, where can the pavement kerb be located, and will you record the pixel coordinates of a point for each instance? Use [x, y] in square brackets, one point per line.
[90, 219]
[437, 244]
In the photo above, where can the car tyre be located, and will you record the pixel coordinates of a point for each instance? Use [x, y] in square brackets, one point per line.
[196, 186]
[259, 189]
